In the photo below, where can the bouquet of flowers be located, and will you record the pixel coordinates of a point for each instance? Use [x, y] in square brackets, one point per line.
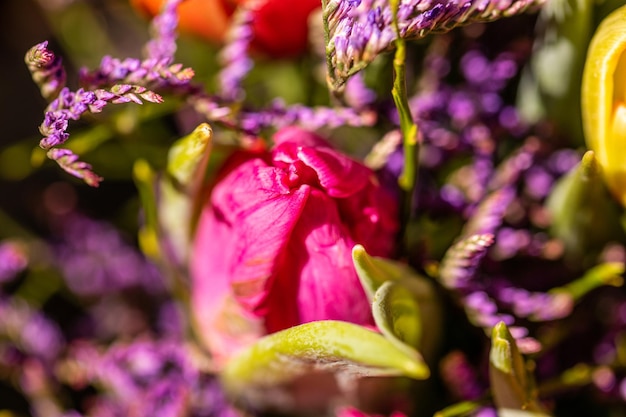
[337, 208]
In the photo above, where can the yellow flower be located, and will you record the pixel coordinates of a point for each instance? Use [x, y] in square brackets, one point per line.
[604, 100]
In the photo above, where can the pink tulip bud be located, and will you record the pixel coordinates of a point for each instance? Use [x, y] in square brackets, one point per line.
[273, 244]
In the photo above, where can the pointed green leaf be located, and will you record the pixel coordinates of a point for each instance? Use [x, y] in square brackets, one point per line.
[343, 348]
[397, 316]
[608, 273]
[508, 412]
[461, 409]
[374, 271]
[187, 160]
[188, 156]
[510, 384]
[145, 180]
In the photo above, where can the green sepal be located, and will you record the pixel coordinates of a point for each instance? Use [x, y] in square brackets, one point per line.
[395, 290]
[187, 158]
[397, 316]
[461, 409]
[511, 384]
[374, 271]
[345, 349]
[608, 273]
[584, 214]
[148, 235]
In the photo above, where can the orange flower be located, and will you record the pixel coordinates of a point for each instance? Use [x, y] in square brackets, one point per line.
[280, 26]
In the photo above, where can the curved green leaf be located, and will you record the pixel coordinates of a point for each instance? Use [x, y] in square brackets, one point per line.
[397, 315]
[374, 271]
[342, 348]
[511, 386]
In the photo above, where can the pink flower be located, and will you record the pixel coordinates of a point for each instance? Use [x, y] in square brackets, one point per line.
[273, 244]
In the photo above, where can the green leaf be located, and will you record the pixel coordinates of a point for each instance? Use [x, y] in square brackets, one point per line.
[585, 216]
[145, 181]
[397, 316]
[461, 409]
[608, 273]
[508, 412]
[188, 157]
[511, 385]
[550, 86]
[374, 271]
[345, 349]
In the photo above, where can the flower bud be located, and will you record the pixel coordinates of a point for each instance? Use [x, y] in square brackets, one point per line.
[604, 100]
[273, 244]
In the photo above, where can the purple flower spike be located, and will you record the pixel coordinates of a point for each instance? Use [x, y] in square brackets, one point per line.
[29, 330]
[538, 306]
[96, 260]
[358, 32]
[71, 106]
[462, 259]
[46, 69]
[150, 73]
[70, 163]
[163, 44]
[234, 57]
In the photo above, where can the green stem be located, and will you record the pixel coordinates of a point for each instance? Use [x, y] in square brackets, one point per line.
[329, 65]
[408, 178]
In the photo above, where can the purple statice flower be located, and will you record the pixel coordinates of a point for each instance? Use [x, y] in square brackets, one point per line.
[236, 63]
[460, 377]
[357, 95]
[460, 121]
[538, 306]
[153, 73]
[28, 330]
[46, 69]
[70, 163]
[278, 114]
[145, 378]
[71, 105]
[13, 259]
[114, 82]
[459, 265]
[95, 259]
[162, 46]
[358, 32]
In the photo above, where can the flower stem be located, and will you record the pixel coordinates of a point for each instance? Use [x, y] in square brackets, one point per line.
[408, 178]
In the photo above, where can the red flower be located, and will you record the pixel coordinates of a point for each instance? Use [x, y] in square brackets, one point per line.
[280, 27]
[273, 245]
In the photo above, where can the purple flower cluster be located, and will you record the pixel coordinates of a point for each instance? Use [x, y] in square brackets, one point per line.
[13, 259]
[46, 69]
[96, 260]
[28, 330]
[71, 105]
[234, 57]
[144, 378]
[162, 46]
[359, 31]
[153, 73]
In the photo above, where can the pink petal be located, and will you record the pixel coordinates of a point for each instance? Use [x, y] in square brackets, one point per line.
[260, 214]
[338, 174]
[221, 323]
[319, 252]
[372, 217]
